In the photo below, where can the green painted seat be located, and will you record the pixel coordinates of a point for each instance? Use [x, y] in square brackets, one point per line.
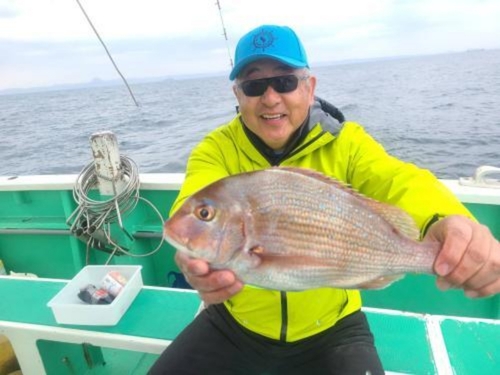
[25, 301]
[473, 346]
[408, 343]
[42, 346]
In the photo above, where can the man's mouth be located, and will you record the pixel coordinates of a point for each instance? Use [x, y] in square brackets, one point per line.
[272, 117]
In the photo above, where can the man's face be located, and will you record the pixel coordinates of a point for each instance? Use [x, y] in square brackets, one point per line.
[274, 116]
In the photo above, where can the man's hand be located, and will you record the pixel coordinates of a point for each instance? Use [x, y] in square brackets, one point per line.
[469, 256]
[214, 286]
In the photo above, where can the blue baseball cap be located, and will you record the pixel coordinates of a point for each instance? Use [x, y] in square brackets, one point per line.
[271, 42]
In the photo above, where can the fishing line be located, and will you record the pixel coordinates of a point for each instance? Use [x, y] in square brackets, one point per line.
[107, 52]
[225, 34]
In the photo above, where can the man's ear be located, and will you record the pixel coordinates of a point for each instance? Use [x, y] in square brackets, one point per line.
[235, 90]
[312, 89]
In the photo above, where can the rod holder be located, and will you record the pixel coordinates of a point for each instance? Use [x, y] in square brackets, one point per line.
[108, 168]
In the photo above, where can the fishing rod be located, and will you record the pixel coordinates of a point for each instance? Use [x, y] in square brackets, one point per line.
[107, 52]
[225, 34]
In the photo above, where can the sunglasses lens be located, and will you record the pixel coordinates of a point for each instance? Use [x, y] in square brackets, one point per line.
[254, 87]
[281, 84]
[285, 84]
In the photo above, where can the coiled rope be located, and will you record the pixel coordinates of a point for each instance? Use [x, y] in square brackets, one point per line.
[91, 221]
[107, 211]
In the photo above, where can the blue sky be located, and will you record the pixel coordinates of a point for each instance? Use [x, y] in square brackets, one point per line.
[48, 42]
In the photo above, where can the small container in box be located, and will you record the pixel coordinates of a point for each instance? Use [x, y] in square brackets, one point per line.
[68, 308]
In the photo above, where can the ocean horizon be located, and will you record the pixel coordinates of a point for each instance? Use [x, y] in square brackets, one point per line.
[99, 82]
[437, 111]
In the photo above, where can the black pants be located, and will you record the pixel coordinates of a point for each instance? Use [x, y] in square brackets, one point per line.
[215, 344]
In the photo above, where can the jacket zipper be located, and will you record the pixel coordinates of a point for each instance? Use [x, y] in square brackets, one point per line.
[283, 295]
[298, 149]
[284, 316]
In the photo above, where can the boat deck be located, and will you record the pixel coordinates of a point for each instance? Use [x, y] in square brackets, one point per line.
[156, 317]
[408, 343]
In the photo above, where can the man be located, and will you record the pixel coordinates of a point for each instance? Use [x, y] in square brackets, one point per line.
[246, 330]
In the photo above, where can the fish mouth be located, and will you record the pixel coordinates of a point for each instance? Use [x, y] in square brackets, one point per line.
[184, 248]
[177, 245]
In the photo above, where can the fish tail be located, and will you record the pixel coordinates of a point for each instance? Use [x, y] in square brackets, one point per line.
[426, 254]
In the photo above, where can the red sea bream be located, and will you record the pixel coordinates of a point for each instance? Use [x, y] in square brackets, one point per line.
[296, 229]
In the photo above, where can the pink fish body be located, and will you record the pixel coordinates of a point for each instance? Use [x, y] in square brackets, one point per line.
[296, 229]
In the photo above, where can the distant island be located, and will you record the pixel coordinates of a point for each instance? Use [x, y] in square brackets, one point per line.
[98, 82]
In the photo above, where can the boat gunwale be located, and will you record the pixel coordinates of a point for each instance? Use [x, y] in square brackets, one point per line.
[173, 181]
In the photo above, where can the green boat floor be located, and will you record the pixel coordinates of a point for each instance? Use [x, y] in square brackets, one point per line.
[404, 340]
[402, 343]
[146, 316]
[473, 347]
[156, 313]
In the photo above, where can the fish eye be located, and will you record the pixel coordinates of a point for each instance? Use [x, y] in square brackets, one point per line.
[205, 213]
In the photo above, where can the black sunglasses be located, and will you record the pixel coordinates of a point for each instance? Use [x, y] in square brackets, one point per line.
[280, 84]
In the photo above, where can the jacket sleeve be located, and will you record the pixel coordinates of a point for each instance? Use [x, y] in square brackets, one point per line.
[375, 173]
[205, 165]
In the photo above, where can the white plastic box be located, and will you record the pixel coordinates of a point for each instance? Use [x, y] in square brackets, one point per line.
[68, 308]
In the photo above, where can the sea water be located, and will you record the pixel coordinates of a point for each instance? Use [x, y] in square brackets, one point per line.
[441, 112]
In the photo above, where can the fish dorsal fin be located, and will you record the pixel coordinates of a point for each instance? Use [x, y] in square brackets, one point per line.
[323, 178]
[316, 175]
[398, 218]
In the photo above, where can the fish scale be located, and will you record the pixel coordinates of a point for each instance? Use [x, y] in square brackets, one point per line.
[296, 229]
[320, 221]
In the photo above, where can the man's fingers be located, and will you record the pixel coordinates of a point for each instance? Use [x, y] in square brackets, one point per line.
[449, 257]
[473, 259]
[213, 281]
[190, 266]
[488, 277]
[219, 296]
[486, 291]
[214, 286]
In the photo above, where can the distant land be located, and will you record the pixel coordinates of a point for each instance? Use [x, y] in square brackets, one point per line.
[97, 82]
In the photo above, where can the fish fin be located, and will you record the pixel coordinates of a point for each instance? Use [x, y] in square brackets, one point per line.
[316, 175]
[248, 258]
[257, 250]
[397, 217]
[380, 283]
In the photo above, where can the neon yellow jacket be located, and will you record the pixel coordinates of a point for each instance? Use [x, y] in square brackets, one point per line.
[347, 153]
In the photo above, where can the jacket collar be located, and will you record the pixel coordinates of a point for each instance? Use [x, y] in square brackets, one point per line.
[319, 121]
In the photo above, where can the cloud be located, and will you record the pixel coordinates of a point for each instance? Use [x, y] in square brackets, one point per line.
[8, 10]
[60, 20]
[50, 41]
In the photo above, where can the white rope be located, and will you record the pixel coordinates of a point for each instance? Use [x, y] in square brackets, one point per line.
[91, 221]
[98, 212]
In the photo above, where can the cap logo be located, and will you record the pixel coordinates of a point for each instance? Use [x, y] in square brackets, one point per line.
[263, 40]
